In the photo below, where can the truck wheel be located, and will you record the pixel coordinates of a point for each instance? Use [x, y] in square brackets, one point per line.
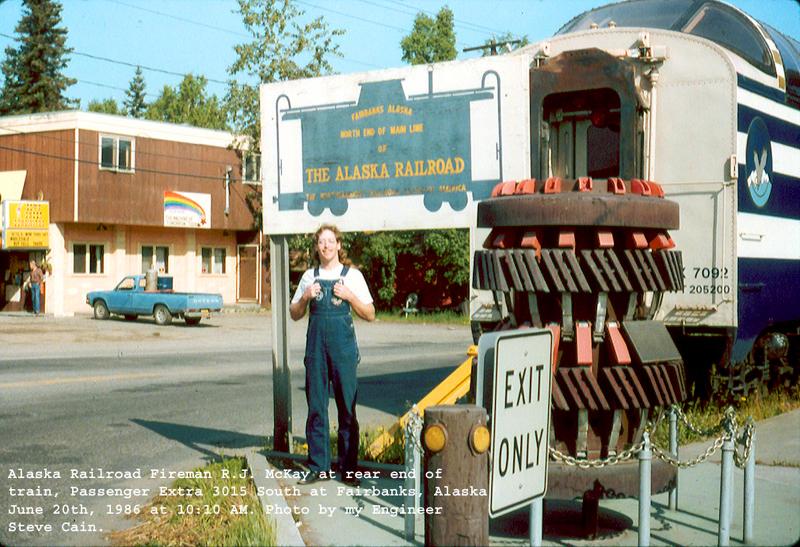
[192, 321]
[162, 315]
[131, 317]
[101, 310]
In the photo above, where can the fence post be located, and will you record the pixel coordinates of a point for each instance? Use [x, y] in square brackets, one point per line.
[725, 492]
[645, 457]
[412, 479]
[536, 522]
[673, 448]
[750, 490]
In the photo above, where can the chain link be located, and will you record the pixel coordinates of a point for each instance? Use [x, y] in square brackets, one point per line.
[747, 440]
[727, 429]
[602, 462]
[667, 457]
[710, 432]
[414, 429]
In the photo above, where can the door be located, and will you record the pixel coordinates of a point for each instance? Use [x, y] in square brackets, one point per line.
[248, 273]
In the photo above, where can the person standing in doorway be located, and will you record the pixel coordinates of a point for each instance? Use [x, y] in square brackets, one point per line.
[37, 277]
[331, 290]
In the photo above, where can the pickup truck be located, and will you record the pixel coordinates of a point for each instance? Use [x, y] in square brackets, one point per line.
[130, 299]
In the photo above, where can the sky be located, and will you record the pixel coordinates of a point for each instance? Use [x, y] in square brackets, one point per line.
[169, 38]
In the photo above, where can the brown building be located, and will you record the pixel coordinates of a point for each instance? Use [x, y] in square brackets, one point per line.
[115, 196]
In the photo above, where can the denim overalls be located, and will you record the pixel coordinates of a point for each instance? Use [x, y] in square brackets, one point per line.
[331, 357]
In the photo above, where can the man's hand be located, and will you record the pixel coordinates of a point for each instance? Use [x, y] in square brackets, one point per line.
[340, 290]
[312, 292]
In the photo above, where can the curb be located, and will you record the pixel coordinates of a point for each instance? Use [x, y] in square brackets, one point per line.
[286, 532]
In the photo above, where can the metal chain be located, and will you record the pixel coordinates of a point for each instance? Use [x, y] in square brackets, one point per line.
[414, 429]
[710, 432]
[746, 439]
[727, 429]
[602, 462]
[667, 457]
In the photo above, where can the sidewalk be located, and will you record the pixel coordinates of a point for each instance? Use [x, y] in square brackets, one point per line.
[330, 513]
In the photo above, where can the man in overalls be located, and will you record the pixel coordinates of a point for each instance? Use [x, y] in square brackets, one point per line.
[331, 353]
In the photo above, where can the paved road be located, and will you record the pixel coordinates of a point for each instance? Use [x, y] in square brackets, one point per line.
[78, 394]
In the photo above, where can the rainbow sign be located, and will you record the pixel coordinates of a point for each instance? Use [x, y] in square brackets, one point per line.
[187, 209]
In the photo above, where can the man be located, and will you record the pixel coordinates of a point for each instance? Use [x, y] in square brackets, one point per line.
[37, 277]
[331, 352]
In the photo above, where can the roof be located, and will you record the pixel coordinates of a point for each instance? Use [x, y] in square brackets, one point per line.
[714, 20]
[108, 123]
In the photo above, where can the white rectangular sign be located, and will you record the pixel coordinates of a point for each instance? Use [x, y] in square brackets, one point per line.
[187, 209]
[406, 148]
[520, 419]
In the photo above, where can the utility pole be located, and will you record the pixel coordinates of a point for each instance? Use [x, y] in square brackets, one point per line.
[492, 46]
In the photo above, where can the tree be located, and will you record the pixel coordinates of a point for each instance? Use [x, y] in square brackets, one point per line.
[430, 40]
[188, 103]
[283, 47]
[135, 105]
[34, 81]
[107, 106]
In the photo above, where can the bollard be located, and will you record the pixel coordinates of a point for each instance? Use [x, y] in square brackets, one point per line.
[726, 493]
[412, 481]
[537, 525]
[456, 442]
[750, 491]
[673, 448]
[645, 457]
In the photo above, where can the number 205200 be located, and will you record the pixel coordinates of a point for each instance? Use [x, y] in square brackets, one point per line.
[709, 289]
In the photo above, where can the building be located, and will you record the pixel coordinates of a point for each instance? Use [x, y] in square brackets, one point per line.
[96, 197]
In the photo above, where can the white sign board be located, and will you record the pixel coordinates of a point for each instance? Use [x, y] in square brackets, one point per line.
[406, 148]
[520, 419]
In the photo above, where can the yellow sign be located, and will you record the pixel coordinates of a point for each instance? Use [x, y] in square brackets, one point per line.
[25, 239]
[32, 215]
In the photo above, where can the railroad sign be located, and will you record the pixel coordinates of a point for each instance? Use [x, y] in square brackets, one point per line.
[520, 419]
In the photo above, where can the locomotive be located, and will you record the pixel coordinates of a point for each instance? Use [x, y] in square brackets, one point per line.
[658, 235]
[705, 101]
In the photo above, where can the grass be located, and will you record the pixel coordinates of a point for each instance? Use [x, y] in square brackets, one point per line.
[394, 453]
[709, 416]
[426, 318]
[213, 517]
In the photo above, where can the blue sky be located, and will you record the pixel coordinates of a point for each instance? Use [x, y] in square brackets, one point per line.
[197, 36]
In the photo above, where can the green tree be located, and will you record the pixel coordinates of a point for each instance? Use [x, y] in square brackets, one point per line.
[32, 72]
[284, 46]
[135, 105]
[430, 40]
[107, 106]
[189, 103]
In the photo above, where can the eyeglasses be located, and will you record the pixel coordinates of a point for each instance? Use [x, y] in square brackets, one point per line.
[327, 241]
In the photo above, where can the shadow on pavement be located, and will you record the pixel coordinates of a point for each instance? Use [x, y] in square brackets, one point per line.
[193, 437]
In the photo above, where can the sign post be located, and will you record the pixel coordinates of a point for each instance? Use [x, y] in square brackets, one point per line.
[520, 420]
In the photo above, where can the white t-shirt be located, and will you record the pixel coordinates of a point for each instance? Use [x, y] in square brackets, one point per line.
[354, 280]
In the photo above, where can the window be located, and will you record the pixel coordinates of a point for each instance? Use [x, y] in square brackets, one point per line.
[116, 153]
[728, 28]
[252, 168]
[88, 258]
[155, 258]
[213, 260]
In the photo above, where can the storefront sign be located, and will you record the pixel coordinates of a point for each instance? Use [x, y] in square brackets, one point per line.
[187, 209]
[31, 215]
[14, 238]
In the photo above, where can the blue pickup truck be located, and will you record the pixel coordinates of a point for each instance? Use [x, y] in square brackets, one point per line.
[130, 299]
